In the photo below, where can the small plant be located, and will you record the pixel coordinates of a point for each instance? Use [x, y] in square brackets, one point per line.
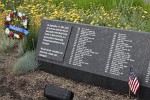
[26, 63]
[6, 43]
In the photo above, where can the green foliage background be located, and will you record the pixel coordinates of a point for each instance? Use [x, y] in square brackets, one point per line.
[124, 14]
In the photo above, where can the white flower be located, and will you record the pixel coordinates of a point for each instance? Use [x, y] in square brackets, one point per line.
[8, 18]
[25, 23]
[16, 36]
[23, 14]
[19, 14]
[14, 11]
[7, 31]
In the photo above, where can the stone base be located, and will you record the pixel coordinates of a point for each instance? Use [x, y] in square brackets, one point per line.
[86, 77]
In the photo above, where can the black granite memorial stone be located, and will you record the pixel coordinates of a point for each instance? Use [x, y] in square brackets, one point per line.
[96, 55]
[55, 40]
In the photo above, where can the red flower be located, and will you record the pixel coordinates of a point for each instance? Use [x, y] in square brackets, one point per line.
[11, 34]
[6, 22]
[11, 15]
[20, 35]
[23, 17]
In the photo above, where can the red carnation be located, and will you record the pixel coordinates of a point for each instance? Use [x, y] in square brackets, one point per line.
[6, 22]
[23, 17]
[20, 35]
[12, 34]
[11, 15]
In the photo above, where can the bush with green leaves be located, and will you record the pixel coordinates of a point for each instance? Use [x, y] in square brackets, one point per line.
[26, 63]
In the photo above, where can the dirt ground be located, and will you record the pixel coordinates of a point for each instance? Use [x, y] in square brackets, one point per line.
[30, 86]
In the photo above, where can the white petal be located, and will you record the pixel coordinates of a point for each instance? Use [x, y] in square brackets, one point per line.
[23, 14]
[14, 11]
[9, 14]
[19, 14]
[16, 36]
[7, 31]
[8, 18]
[25, 22]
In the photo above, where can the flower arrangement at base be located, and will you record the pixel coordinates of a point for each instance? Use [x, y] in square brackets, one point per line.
[14, 31]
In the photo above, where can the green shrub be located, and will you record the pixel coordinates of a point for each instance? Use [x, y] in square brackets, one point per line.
[26, 63]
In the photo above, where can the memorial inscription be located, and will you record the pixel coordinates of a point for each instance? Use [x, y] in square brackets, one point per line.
[148, 74]
[80, 51]
[97, 55]
[101, 51]
[54, 41]
[121, 48]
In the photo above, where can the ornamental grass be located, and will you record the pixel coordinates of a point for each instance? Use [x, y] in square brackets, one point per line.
[26, 63]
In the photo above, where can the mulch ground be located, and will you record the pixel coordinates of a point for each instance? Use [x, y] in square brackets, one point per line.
[30, 86]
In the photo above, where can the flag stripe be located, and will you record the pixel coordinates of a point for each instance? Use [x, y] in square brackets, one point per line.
[135, 86]
[133, 81]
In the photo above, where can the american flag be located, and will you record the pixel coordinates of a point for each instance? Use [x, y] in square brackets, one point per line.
[133, 81]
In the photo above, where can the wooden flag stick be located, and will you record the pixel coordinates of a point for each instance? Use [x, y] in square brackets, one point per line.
[129, 93]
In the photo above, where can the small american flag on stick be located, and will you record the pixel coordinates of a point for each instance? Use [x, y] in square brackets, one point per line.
[133, 81]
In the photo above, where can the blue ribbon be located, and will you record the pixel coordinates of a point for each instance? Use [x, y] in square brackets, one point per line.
[17, 29]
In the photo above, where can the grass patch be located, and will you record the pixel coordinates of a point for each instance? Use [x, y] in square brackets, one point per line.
[108, 4]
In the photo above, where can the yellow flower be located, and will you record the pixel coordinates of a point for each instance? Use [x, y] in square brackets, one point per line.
[100, 17]
[109, 25]
[145, 12]
[2, 5]
[143, 16]
[105, 14]
[118, 25]
[92, 23]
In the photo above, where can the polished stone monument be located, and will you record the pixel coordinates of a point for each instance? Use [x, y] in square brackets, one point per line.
[95, 55]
